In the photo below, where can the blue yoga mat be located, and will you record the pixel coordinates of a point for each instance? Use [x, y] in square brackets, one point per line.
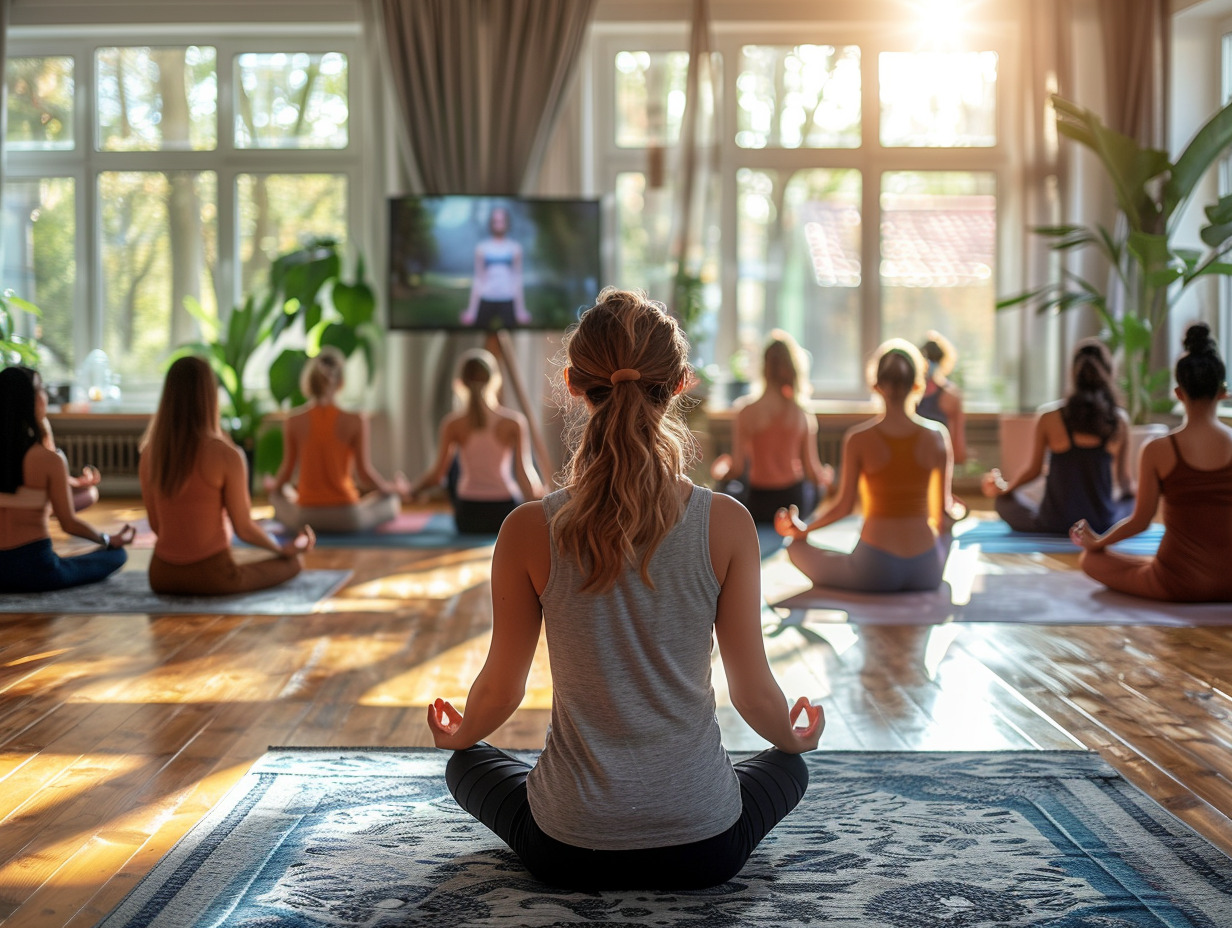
[995, 537]
[409, 530]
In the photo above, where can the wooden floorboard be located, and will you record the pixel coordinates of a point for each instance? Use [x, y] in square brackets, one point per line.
[119, 732]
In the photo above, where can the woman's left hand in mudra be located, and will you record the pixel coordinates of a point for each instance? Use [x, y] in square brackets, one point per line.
[1081, 534]
[787, 523]
[444, 721]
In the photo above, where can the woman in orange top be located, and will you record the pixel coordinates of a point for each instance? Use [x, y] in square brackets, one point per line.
[194, 482]
[34, 481]
[901, 465]
[774, 439]
[329, 444]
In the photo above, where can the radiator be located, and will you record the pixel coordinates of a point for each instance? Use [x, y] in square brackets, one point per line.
[110, 446]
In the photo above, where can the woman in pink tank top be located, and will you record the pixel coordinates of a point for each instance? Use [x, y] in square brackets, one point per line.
[492, 448]
[1190, 469]
[194, 483]
[774, 463]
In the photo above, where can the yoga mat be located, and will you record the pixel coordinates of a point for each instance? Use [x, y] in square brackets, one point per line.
[337, 837]
[995, 537]
[128, 592]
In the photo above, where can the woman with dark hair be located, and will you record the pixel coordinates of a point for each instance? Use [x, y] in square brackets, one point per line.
[1190, 469]
[901, 464]
[491, 444]
[942, 400]
[774, 439]
[194, 482]
[34, 482]
[329, 445]
[635, 573]
[1086, 443]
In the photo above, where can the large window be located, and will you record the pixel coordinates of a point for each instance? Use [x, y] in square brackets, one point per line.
[860, 173]
[143, 176]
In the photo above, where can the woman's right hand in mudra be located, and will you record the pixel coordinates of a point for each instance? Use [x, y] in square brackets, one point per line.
[807, 722]
[787, 523]
[443, 722]
[302, 543]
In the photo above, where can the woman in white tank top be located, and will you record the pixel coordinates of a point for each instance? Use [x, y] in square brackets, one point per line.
[634, 572]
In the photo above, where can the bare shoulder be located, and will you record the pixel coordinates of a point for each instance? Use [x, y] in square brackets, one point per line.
[40, 464]
[728, 517]
[524, 543]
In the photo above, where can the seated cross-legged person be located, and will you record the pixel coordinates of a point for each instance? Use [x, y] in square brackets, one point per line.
[901, 464]
[34, 482]
[1085, 442]
[329, 444]
[774, 439]
[1190, 469]
[491, 445]
[194, 482]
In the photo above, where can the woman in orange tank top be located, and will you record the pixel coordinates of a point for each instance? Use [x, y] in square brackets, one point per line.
[329, 445]
[194, 483]
[774, 462]
[1190, 469]
[900, 464]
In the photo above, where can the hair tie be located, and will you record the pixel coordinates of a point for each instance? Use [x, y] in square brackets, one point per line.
[625, 373]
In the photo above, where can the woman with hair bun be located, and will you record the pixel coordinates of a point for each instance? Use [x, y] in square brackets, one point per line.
[942, 400]
[774, 439]
[1086, 443]
[492, 445]
[901, 464]
[1190, 469]
[634, 572]
[330, 445]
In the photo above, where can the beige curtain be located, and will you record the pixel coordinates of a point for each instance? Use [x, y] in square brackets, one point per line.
[480, 84]
[1109, 56]
[477, 89]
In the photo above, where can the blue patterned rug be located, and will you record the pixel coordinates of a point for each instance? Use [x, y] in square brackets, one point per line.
[336, 837]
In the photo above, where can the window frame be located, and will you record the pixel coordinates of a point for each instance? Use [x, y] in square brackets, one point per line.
[871, 159]
[84, 163]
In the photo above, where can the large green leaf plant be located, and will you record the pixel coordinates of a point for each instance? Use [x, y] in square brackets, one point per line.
[1147, 271]
[16, 348]
[306, 301]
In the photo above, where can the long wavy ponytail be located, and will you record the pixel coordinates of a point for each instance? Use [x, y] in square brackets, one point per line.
[1092, 408]
[629, 359]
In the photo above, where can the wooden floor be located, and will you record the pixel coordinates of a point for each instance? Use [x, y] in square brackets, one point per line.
[118, 732]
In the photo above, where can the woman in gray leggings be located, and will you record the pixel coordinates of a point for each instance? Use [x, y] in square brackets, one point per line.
[901, 465]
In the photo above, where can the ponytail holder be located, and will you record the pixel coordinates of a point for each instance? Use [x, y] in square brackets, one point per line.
[625, 373]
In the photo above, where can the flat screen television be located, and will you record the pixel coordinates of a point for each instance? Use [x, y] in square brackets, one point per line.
[486, 262]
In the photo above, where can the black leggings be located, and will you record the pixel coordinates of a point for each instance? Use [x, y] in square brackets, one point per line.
[491, 786]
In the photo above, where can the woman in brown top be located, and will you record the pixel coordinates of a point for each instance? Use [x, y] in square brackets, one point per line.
[1191, 469]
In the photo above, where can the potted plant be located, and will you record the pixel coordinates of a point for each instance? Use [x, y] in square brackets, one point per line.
[1147, 271]
[305, 288]
[16, 348]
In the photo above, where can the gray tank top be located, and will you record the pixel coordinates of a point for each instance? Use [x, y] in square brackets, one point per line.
[634, 757]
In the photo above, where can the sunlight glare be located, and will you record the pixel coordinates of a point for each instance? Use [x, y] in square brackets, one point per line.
[942, 22]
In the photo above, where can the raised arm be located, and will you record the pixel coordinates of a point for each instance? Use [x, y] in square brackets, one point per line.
[520, 560]
[821, 474]
[51, 476]
[754, 691]
[1121, 465]
[471, 313]
[952, 406]
[520, 312]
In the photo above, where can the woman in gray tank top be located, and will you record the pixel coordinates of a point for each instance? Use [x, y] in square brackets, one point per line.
[633, 572]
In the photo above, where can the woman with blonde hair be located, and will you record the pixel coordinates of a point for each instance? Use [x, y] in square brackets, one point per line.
[329, 445]
[942, 400]
[194, 482]
[34, 483]
[774, 439]
[492, 447]
[901, 465]
[1190, 469]
[633, 571]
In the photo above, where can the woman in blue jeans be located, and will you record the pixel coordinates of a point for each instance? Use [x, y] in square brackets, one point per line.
[34, 481]
[633, 571]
